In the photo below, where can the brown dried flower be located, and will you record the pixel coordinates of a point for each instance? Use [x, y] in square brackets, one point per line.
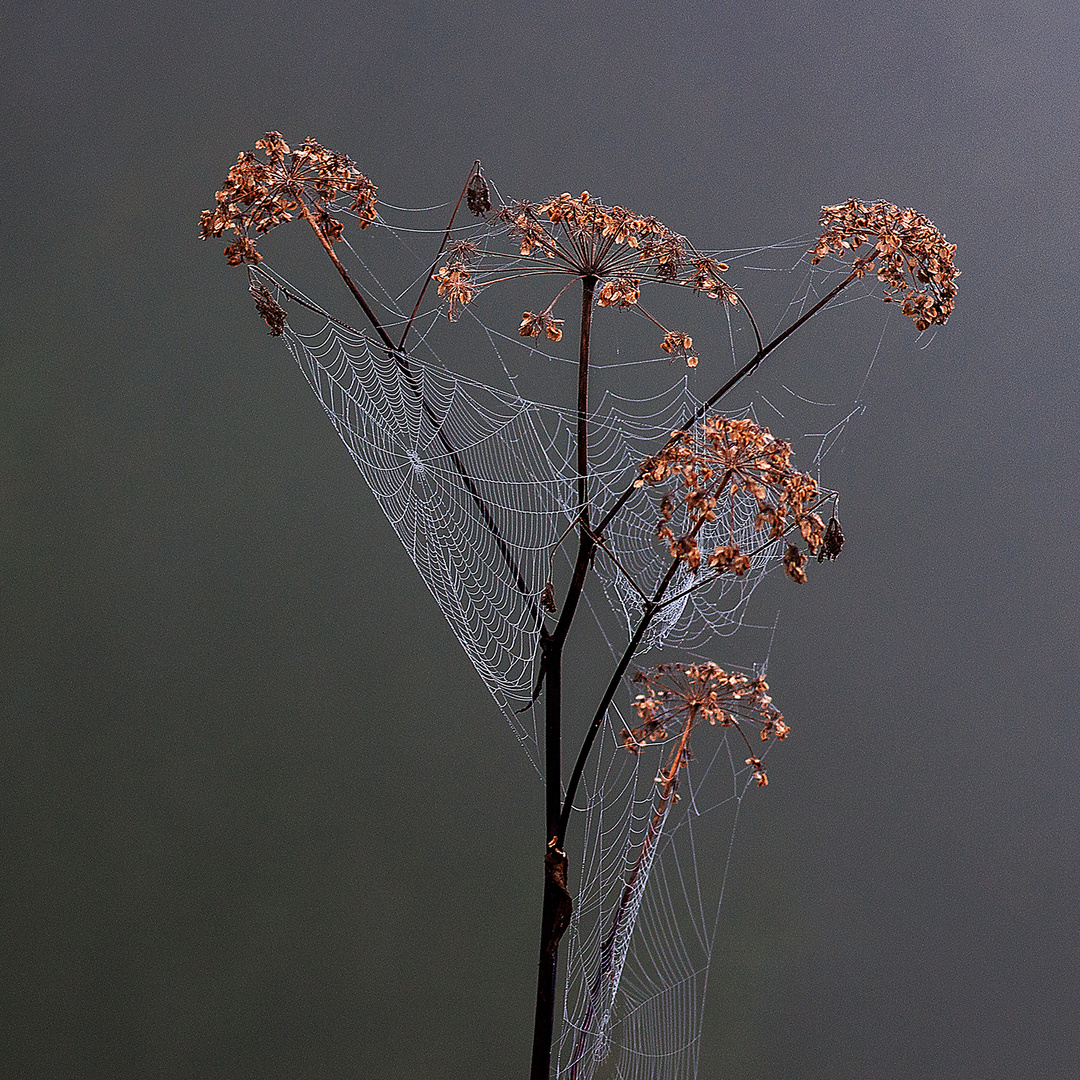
[260, 195]
[677, 697]
[678, 344]
[454, 284]
[623, 292]
[914, 260]
[714, 464]
[535, 323]
[620, 250]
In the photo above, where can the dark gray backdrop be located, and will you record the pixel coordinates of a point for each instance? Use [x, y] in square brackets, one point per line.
[259, 818]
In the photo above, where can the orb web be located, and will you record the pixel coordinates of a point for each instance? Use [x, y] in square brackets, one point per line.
[477, 478]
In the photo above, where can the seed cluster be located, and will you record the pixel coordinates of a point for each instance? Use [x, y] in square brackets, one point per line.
[260, 195]
[914, 260]
[714, 464]
[581, 237]
[676, 697]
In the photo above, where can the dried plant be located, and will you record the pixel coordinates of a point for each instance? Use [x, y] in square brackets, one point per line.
[913, 259]
[261, 195]
[711, 465]
[580, 237]
[677, 697]
[714, 464]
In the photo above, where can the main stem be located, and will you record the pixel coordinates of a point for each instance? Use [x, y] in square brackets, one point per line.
[557, 904]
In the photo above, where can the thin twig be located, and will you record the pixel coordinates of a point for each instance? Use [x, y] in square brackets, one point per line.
[401, 358]
[446, 236]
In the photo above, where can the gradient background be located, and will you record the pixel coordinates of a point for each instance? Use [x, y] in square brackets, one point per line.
[259, 816]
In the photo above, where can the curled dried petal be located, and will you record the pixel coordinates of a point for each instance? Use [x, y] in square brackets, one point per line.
[678, 344]
[794, 561]
[477, 196]
[623, 292]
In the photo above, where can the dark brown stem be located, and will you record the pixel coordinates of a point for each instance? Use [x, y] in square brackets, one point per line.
[402, 361]
[446, 236]
[586, 544]
[557, 903]
[305, 213]
[556, 912]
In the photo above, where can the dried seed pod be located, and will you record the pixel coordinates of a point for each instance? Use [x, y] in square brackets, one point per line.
[477, 195]
[832, 542]
[794, 561]
[273, 314]
[912, 257]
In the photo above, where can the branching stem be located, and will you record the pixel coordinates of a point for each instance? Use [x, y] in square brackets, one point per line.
[747, 369]
[557, 903]
[402, 360]
[446, 236]
[306, 214]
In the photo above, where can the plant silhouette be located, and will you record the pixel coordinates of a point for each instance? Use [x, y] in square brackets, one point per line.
[722, 496]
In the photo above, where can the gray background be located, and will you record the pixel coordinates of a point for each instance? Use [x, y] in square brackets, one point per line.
[259, 817]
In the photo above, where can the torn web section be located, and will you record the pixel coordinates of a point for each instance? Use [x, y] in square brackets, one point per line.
[462, 473]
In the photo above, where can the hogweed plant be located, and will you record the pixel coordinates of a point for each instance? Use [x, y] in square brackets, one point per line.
[487, 490]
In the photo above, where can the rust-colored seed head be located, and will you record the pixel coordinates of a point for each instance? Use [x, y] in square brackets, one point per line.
[616, 248]
[914, 260]
[260, 195]
[678, 696]
[714, 464]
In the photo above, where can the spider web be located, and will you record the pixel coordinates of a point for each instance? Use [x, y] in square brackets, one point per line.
[478, 480]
